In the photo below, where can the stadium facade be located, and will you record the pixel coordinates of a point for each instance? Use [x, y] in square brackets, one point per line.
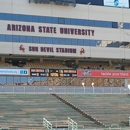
[33, 29]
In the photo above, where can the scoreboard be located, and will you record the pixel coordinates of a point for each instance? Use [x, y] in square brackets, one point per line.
[69, 73]
[53, 72]
[39, 72]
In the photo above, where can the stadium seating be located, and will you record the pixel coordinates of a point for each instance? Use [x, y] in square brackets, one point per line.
[5, 65]
[50, 64]
[56, 81]
[109, 109]
[26, 111]
[79, 110]
[44, 65]
[35, 65]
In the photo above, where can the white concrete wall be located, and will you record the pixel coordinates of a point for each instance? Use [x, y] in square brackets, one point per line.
[96, 52]
[99, 33]
[79, 12]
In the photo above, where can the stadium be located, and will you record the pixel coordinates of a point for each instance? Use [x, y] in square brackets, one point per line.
[64, 65]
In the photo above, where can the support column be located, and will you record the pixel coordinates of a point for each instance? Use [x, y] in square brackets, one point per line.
[110, 63]
[3, 59]
[41, 60]
[77, 62]
[126, 83]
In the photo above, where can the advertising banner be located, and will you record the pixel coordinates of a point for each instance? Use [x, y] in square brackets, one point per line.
[103, 74]
[117, 3]
[21, 72]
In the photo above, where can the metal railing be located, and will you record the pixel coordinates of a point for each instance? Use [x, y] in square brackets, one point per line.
[63, 90]
[47, 124]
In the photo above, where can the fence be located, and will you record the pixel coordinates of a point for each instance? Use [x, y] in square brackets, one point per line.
[64, 90]
[72, 125]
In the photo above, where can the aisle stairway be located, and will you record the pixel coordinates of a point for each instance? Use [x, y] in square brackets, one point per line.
[109, 109]
[86, 115]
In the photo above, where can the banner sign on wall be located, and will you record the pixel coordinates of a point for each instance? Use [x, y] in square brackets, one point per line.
[103, 74]
[45, 49]
[21, 72]
[117, 3]
[54, 30]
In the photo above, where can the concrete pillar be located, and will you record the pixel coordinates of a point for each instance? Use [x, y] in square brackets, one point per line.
[126, 83]
[3, 59]
[110, 63]
[77, 62]
[41, 60]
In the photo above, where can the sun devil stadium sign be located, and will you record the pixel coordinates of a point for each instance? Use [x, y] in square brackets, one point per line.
[51, 49]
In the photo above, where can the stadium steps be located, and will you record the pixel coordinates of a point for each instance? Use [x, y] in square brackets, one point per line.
[108, 109]
[95, 121]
